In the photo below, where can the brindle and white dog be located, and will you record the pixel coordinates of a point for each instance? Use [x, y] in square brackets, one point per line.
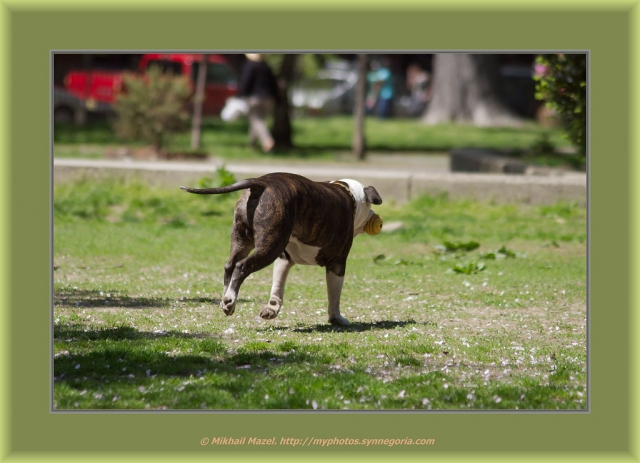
[289, 219]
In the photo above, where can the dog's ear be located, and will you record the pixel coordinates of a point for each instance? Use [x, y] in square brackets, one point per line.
[372, 195]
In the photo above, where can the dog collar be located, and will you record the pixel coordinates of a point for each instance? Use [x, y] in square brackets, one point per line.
[346, 187]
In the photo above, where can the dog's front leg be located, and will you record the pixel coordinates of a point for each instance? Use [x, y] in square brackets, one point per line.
[334, 289]
[281, 268]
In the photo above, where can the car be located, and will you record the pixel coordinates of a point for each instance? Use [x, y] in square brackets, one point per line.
[332, 91]
[96, 90]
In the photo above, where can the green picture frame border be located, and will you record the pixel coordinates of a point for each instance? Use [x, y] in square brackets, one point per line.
[29, 30]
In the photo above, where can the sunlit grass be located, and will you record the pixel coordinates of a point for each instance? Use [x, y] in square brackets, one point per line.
[137, 281]
[319, 138]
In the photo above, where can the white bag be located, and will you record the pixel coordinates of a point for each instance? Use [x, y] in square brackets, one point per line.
[234, 108]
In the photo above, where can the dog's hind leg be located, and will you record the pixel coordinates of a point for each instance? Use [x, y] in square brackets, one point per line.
[239, 250]
[261, 257]
[281, 268]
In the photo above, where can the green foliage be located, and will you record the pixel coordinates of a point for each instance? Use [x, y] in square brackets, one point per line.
[307, 65]
[502, 253]
[132, 202]
[152, 106]
[506, 252]
[449, 246]
[222, 177]
[543, 145]
[469, 268]
[86, 200]
[561, 81]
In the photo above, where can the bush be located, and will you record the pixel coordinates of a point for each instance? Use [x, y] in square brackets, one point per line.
[561, 82]
[222, 177]
[153, 105]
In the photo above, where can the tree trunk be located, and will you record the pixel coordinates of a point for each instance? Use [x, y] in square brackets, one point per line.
[282, 123]
[467, 90]
[198, 101]
[359, 142]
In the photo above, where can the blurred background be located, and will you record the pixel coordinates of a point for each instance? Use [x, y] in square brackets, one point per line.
[511, 113]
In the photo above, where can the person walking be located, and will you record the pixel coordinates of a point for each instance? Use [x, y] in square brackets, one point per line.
[381, 80]
[258, 86]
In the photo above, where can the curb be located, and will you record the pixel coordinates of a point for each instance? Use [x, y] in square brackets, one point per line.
[393, 184]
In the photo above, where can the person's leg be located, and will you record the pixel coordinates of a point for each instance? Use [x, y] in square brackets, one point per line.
[259, 109]
[384, 107]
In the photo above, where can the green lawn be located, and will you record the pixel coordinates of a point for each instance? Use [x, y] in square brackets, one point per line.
[321, 138]
[137, 281]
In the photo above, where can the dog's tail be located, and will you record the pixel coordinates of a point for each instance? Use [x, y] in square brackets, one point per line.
[253, 183]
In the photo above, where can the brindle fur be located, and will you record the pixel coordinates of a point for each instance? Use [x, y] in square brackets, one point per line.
[278, 206]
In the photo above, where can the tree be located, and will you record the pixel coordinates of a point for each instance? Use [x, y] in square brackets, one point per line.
[282, 122]
[198, 101]
[561, 81]
[467, 90]
[359, 143]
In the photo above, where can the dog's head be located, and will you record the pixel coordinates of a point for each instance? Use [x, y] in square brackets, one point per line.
[364, 198]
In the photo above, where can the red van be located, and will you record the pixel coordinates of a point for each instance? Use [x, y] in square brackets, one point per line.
[96, 90]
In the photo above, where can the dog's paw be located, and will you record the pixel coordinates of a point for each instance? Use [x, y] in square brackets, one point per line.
[339, 320]
[228, 305]
[269, 312]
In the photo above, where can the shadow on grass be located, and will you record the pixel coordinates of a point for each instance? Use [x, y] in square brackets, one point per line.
[118, 378]
[355, 326]
[126, 368]
[165, 370]
[75, 332]
[95, 299]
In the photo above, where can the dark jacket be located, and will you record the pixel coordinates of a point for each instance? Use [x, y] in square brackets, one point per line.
[257, 80]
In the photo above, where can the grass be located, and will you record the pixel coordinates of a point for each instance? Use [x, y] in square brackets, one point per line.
[137, 281]
[325, 139]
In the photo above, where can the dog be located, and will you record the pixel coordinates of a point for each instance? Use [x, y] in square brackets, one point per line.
[288, 219]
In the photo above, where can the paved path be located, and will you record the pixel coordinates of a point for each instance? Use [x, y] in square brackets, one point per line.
[397, 179]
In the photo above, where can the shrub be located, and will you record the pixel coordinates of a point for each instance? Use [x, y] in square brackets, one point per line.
[561, 82]
[222, 177]
[153, 105]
